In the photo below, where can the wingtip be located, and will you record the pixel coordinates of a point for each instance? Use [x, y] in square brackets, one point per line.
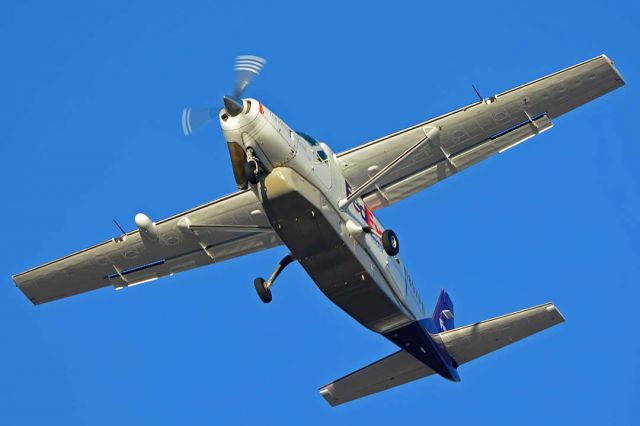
[325, 392]
[613, 67]
[553, 308]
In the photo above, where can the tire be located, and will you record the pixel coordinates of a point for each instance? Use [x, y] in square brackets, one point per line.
[263, 292]
[390, 242]
[250, 172]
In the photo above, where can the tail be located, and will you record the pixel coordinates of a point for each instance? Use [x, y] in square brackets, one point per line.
[463, 343]
[443, 313]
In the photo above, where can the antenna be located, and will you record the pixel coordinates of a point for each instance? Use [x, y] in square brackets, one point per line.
[477, 93]
[119, 227]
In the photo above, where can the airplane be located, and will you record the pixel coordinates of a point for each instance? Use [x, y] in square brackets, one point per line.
[293, 190]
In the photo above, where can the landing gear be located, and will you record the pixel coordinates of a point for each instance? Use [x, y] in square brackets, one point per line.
[253, 167]
[263, 291]
[390, 242]
[264, 287]
[251, 172]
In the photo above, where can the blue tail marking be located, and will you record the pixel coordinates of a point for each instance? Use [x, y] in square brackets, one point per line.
[418, 338]
[443, 313]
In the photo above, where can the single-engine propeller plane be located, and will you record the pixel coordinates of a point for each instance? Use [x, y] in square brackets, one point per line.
[295, 191]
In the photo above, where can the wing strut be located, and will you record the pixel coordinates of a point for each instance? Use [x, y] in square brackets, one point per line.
[430, 135]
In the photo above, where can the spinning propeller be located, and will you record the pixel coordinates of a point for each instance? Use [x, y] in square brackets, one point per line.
[247, 67]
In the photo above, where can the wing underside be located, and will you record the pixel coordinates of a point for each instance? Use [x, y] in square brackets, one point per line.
[475, 132]
[229, 227]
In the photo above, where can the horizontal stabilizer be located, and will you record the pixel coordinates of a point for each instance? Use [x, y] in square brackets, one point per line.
[472, 341]
[396, 369]
[463, 344]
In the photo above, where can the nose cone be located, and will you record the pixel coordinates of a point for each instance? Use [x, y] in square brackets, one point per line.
[233, 105]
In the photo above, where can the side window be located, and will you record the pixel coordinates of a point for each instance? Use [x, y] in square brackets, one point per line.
[311, 141]
[322, 156]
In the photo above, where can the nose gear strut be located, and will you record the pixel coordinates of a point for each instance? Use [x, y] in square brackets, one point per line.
[264, 287]
[253, 167]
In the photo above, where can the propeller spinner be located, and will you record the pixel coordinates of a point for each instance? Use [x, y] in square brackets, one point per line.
[247, 67]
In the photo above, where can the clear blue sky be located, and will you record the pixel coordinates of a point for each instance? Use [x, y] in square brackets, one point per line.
[90, 107]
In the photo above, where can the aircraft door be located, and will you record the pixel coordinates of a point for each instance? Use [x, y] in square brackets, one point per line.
[318, 154]
[322, 167]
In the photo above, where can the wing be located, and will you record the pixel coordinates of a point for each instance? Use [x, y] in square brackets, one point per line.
[475, 132]
[463, 344]
[222, 229]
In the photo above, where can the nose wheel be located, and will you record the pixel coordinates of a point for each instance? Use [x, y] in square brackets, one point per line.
[263, 288]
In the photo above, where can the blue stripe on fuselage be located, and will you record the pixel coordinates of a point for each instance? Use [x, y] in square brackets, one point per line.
[416, 339]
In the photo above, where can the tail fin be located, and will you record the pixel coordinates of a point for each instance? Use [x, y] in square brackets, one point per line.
[443, 313]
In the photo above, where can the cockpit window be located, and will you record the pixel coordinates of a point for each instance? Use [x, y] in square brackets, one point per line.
[308, 138]
[322, 156]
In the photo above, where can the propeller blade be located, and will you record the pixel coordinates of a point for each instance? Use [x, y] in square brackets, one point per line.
[247, 68]
[193, 118]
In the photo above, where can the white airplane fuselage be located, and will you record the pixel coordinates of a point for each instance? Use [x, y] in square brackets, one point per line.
[300, 194]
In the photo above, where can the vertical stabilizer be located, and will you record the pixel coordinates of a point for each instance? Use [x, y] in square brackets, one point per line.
[443, 313]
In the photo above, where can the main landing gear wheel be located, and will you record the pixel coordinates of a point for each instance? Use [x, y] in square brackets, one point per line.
[264, 287]
[263, 291]
[390, 242]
